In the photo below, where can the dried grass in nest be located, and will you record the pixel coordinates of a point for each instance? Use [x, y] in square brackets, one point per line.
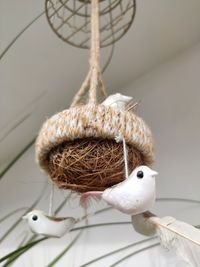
[90, 164]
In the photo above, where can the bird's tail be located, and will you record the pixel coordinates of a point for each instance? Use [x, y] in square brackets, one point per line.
[88, 196]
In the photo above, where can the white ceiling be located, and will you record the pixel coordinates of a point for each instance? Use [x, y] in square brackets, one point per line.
[39, 73]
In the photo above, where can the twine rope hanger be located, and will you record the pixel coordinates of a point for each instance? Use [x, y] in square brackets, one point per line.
[93, 80]
[51, 200]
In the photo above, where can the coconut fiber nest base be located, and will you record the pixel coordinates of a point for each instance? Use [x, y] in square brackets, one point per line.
[90, 164]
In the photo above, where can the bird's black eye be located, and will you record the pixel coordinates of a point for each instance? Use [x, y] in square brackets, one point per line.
[140, 174]
[35, 217]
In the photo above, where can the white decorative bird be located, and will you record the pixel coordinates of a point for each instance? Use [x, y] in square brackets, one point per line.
[40, 223]
[117, 101]
[133, 196]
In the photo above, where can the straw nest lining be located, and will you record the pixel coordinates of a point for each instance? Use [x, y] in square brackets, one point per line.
[76, 147]
[90, 164]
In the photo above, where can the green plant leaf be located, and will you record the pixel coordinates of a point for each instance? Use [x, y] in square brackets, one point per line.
[12, 213]
[31, 240]
[32, 243]
[20, 219]
[57, 258]
[99, 225]
[28, 246]
[18, 252]
[7, 168]
[22, 242]
[116, 251]
[19, 34]
[134, 253]
[174, 199]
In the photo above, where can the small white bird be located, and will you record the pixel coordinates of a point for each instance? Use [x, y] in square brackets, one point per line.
[117, 101]
[133, 196]
[40, 223]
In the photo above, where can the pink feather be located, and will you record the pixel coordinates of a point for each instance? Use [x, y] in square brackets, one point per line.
[86, 197]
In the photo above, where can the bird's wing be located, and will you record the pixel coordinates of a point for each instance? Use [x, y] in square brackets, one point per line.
[88, 196]
[122, 191]
[126, 185]
[178, 236]
[58, 219]
[181, 237]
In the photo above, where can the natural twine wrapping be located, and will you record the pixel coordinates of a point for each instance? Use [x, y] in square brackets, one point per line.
[76, 147]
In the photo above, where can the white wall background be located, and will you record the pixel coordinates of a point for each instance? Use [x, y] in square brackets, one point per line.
[170, 98]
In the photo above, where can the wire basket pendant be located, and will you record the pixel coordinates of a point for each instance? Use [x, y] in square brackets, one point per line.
[70, 20]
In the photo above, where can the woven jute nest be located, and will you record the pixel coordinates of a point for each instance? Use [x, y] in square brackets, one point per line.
[76, 147]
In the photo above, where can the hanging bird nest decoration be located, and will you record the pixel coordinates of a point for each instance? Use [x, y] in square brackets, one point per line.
[70, 20]
[77, 146]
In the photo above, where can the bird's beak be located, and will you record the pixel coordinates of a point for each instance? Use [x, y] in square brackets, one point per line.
[25, 217]
[154, 173]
